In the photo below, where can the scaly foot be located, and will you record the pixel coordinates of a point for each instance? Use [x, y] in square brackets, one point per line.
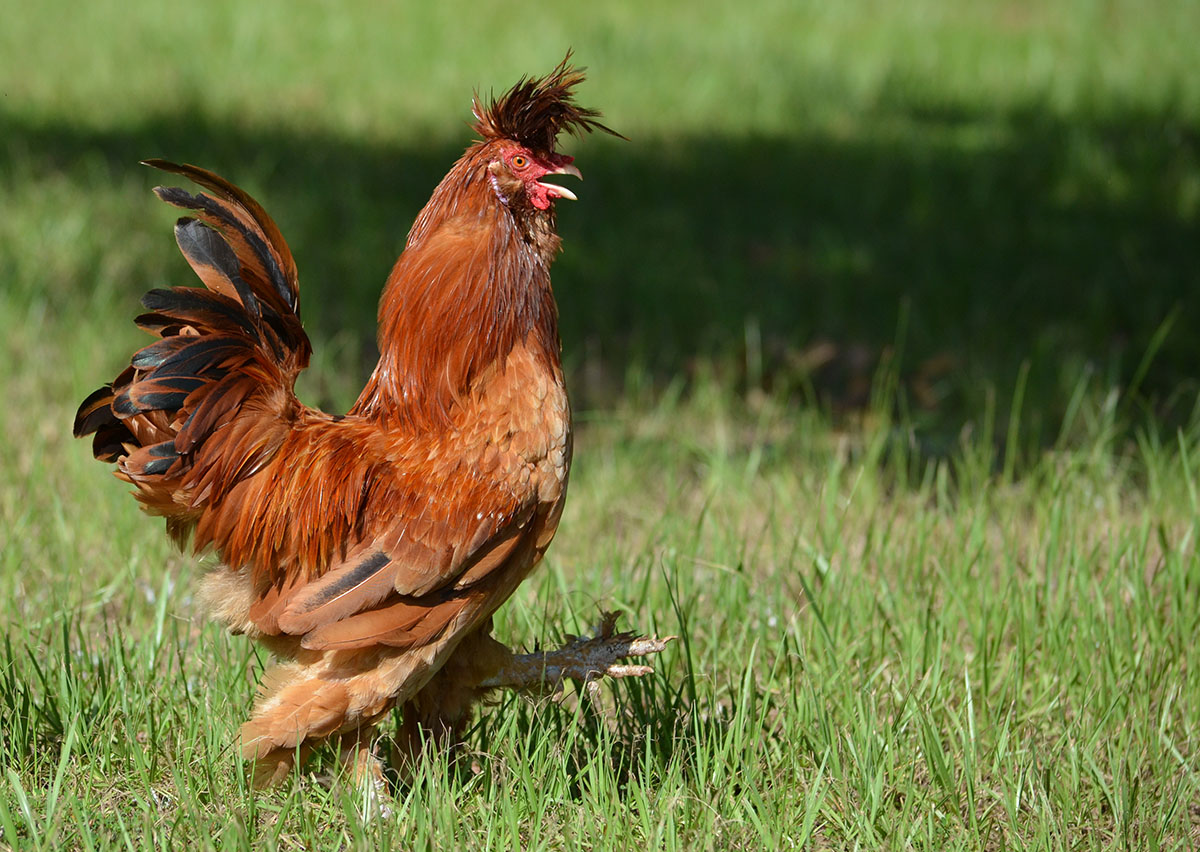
[585, 659]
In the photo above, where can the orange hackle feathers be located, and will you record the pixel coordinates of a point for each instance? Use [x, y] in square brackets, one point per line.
[363, 550]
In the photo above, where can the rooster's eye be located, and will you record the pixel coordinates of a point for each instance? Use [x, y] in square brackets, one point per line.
[519, 162]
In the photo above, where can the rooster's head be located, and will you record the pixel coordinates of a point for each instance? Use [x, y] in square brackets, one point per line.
[520, 129]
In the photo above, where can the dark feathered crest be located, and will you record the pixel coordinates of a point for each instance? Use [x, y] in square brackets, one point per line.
[535, 111]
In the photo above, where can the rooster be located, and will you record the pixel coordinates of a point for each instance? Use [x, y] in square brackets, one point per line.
[368, 551]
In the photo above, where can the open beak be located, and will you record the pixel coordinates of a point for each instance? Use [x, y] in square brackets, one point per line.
[557, 191]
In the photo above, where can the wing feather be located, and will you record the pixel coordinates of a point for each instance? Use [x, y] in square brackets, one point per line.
[413, 560]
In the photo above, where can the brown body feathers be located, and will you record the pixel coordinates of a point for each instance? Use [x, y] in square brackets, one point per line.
[367, 551]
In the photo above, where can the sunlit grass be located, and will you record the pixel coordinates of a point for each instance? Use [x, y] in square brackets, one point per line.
[950, 662]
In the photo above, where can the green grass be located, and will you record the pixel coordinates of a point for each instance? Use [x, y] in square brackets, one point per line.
[880, 335]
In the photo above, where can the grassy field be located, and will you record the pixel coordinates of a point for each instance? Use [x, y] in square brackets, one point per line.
[881, 340]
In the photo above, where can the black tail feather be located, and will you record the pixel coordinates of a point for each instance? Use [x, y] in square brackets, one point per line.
[215, 263]
[196, 307]
[236, 338]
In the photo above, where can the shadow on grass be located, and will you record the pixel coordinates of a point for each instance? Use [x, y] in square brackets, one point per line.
[970, 242]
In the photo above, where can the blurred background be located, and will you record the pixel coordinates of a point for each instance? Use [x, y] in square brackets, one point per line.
[961, 207]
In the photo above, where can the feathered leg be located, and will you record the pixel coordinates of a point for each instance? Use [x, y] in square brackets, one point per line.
[322, 694]
[277, 764]
[436, 717]
[356, 751]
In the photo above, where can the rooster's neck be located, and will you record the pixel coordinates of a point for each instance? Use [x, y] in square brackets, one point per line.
[473, 282]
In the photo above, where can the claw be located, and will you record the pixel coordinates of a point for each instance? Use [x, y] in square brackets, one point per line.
[581, 659]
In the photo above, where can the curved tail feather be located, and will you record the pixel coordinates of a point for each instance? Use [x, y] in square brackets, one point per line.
[209, 402]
